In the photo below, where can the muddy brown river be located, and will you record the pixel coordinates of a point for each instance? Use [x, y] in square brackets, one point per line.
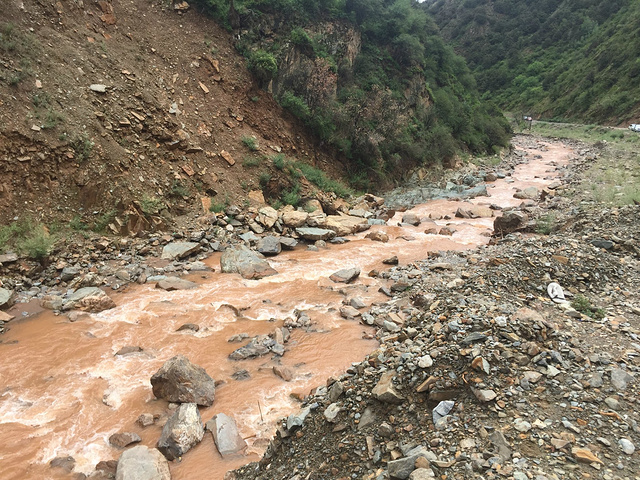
[63, 391]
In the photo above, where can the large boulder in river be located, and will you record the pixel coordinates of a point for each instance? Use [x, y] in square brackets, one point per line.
[175, 283]
[179, 380]
[346, 224]
[509, 222]
[314, 234]
[474, 211]
[246, 262]
[269, 245]
[225, 434]
[89, 299]
[142, 463]
[182, 431]
[346, 275]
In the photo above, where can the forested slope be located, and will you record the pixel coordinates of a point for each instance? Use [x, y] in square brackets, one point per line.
[564, 59]
[371, 77]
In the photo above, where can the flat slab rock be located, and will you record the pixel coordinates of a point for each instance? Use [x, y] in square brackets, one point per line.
[315, 234]
[174, 283]
[178, 250]
[225, 435]
[346, 275]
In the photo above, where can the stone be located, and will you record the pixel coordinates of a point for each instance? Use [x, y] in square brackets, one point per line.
[474, 211]
[129, 350]
[442, 409]
[485, 395]
[6, 298]
[346, 224]
[142, 463]
[378, 236]
[269, 245]
[225, 435]
[529, 193]
[258, 346]
[349, 312]
[121, 440]
[267, 216]
[294, 218]
[422, 474]
[296, 420]
[228, 158]
[346, 275]
[612, 403]
[69, 273]
[246, 262]
[65, 463]
[331, 412]
[174, 283]
[509, 222]
[391, 260]
[384, 390]
[620, 379]
[521, 425]
[98, 88]
[145, 420]
[600, 243]
[627, 446]
[7, 258]
[584, 455]
[189, 326]
[368, 418]
[314, 233]
[425, 361]
[89, 299]
[183, 431]
[288, 243]
[179, 250]
[411, 219]
[180, 381]
[285, 373]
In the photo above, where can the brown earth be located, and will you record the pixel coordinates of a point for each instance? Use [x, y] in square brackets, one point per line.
[68, 151]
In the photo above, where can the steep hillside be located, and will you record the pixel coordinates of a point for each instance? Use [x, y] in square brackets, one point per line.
[129, 113]
[373, 78]
[558, 58]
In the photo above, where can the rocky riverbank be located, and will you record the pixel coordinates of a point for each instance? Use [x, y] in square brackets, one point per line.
[479, 374]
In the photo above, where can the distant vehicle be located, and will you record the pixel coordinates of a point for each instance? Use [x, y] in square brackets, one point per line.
[634, 127]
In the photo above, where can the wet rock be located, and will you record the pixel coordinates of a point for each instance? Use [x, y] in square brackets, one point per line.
[258, 346]
[529, 193]
[52, 302]
[349, 312]
[346, 275]
[128, 350]
[174, 283]
[241, 375]
[178, 380]
[183, 431]
[295, 421]
[64, 463]
[314, 233]
[447, 230]
[145, 420]
[285, 373]
[189, 326]
[509, 222]
[384, 390]
[142, 463]
[378, 236]
[247, 263]
[411, 219]
[288, 243]
[89, 299]
[269, 245]
[474, 211]
[179, 250]
[6, 298]
[225, 435]
[122, 440]
[391, 260]
[431, 228]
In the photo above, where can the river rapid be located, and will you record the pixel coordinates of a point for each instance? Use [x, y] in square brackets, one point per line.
[63, 391]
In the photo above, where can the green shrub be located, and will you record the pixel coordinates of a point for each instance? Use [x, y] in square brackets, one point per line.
[52, 119]
[263, 65]
[151, 205]
[178, 189]
[292, 197]
[296, 105]
[27, 237]
[583, 305]
[250, 142]
[217, 207]
[82, 146]
[251, 162]
[102, 222]
[279, 161]
[78, 224]
[265, 178]
[545, 224]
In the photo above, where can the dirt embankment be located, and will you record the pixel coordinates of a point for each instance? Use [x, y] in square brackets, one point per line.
[117, 107]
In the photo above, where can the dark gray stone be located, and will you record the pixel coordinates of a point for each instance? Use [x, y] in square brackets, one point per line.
[180, 381]
[269, 245]
[246, 262]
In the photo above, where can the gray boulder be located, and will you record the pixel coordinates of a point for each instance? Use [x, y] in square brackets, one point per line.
[90, 299]
[288, 243]
[509, 222]
[174, 283]
[314, 233]
[178, 250]
[183, 431]
[346, 275]
[411, 219]
[6, 298]
[225, 435]
[269, 245]
[178, 380]
[246, 262]
[142, 463]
